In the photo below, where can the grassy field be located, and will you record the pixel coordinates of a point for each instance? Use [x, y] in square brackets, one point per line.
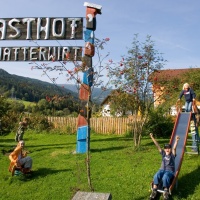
[26, 103]
[115, 168]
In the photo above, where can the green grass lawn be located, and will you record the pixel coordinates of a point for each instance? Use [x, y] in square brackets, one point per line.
[115, 168]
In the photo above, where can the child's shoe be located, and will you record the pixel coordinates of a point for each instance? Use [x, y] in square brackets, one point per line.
[166, 194]
[153, 194]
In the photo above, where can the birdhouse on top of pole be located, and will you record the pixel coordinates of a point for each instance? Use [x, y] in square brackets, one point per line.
[91, 12]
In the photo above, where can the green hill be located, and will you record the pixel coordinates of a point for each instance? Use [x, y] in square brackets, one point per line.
[29, 89]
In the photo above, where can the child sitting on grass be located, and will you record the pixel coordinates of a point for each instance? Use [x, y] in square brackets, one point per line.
[19, 159]
[166, 172]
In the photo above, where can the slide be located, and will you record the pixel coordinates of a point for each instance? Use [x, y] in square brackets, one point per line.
[181, 128]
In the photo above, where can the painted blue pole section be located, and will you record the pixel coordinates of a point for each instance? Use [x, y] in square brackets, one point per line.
[88, 77]
[82, 136]
[89, 36]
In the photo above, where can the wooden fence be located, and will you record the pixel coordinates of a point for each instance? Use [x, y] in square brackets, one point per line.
[104, 125]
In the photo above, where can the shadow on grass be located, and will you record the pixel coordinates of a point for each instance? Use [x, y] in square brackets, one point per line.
[51, 145]
[39, 148]
[187, 184]
[111, 139]
[107, 149]
[161, 143]
[6, 140]
[42, 172]
[7, 149]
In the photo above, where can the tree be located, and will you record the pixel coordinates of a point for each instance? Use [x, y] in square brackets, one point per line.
[4, 106]
[43, 105]
[94, 75]
[132, 75]
[9, 113]
[121, 103]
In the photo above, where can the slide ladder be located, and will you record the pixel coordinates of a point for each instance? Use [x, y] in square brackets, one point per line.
[192, 146]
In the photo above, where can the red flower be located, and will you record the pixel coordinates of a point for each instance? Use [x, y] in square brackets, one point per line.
[76, 69]
[110, 60]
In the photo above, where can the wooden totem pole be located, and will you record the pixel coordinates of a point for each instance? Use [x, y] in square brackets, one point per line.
[83, 132]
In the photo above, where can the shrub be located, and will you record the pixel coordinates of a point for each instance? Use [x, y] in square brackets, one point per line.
[74, 114]
[9, 122]
[159, 123]
[39, 123]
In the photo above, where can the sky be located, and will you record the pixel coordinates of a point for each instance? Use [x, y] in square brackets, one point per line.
[174, 26]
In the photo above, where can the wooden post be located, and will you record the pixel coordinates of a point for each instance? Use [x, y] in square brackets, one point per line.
[83, 132]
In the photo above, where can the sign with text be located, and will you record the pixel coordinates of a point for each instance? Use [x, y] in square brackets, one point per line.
[41, 28]
[55, 53]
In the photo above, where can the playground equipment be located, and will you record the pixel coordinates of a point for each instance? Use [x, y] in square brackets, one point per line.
[192, 143]
[185, 123]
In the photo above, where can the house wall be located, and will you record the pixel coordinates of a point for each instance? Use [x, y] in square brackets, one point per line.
[106, 111]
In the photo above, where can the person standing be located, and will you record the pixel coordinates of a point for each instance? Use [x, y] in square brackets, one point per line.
[21, 129]
[189, 95]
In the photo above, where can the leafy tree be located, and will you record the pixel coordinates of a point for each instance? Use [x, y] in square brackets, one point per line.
[16, 106]
[121, 103]
[8, 117]
[35, 109]
[43, 104]
[4, 106]
[132, 75]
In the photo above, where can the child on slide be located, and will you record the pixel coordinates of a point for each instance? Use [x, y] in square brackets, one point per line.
[167, 169]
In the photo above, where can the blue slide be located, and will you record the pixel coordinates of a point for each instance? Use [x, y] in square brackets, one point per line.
[181, 129]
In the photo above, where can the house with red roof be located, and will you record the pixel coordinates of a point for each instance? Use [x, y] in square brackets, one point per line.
[160, 76]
